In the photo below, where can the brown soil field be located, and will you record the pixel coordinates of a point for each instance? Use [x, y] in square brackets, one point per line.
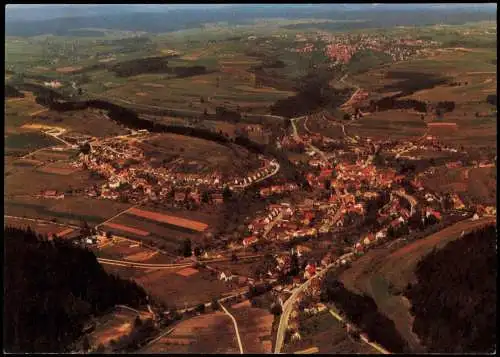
[65, 232]
[176, 221]
[122, 249]
[477, 185]
[141, 94]
[154, 85]
[238, 268]
[187, 272]
[126, 229]
[68, 69]
[176, 290]
[255, 327]
[140, 257]
[167, 237]
[68, 210]
[31, 181]
[381, 268]
[207, 333]
[51, 169]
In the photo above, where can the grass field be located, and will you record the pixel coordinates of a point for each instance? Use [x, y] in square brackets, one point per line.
[208, 333]
[384, 272]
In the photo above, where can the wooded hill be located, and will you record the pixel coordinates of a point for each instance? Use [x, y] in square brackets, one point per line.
[51, 289]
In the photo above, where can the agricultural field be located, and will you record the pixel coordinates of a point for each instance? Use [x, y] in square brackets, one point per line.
[31, 181]
[88, 122]
[393, 124]
[324, 332]
[473, 184]
[22, 143]
[202, 155]
[207, 333]
[71, 210]
[383, 274]
[41, 228]
[255, 327]
[121, 248]
[175, 288]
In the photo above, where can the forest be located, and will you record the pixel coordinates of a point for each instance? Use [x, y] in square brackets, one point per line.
[51, 290]
[454, 299]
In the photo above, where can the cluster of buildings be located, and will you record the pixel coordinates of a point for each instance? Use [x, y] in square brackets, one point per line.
[133, 177]
[343, 47]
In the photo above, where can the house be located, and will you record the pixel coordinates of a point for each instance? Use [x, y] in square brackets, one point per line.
[475, 217]
[217, 198]
[179, 196]
[310, 271]
[369, 239]
[249, 241]
[226, 277]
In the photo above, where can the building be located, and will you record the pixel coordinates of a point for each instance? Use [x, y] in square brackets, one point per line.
[249, 241]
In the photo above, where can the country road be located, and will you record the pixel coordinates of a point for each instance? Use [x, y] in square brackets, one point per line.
[43, 221]
[298, 138]
[126, 263]
[235, 327]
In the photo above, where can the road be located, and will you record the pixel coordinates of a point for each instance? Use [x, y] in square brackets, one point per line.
[298, 138]
[43, 221]
[412, 200]
[288, 305]
[362, 336]
[198, 113]
[235, 326]
[115, 216]
[272, 224]
[126, 263]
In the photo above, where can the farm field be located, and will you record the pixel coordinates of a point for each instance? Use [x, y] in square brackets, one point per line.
[476, 184]
[18, 111]
[393, 124]
[328, 335]
[21, 143]
[383, 273]
[238, 268]
[165, 237]
[88, 122]
[71, 210]
[198, 154]
[207, 333]
[31, 181]
[176, 290]
[121, 248]
[41, 228]
[168, 219]
[255, 327]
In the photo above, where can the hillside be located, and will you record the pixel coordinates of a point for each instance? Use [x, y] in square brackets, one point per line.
[454, 300]
[52, 289]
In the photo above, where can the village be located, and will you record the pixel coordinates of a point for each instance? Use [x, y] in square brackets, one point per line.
[342, 47]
